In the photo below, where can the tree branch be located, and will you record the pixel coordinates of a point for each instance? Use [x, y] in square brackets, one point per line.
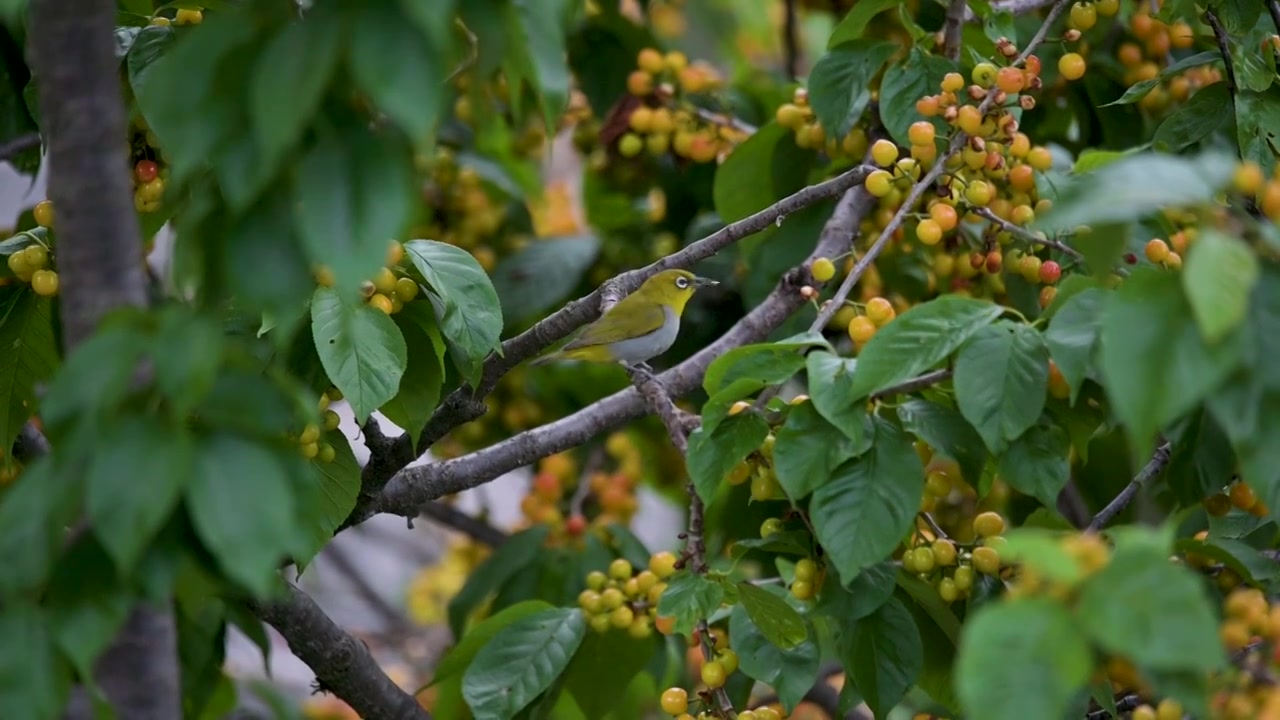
[1224, 47]
[72, 51]
[414, 487]
[1273, 7]
[1027, 234]
[953, 27]
[475, 528]
[20, 144]
[790, 41]
[342, 664]
[1013, 7]
[463, 405]
[1153, 467]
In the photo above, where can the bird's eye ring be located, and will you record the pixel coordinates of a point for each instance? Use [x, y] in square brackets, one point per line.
[682, 282]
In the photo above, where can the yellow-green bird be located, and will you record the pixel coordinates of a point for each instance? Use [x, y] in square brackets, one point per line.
[641, 326]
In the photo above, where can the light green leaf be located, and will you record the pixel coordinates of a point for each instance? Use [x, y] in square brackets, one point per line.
[862, 514]
[28, 355]
[290, 77]
[790, 672]
[1024, 658]
[883, 655]
[134, 483]
[1001, 377]
[1037, 463]
[712, 455]
[832, 392]
[512, 556]
[361, 349]
[464, 300]
[840, 82]
[542, 25]
[808, 449]
[460, 656]
[399, 66]
[325, 495]
[1121, 613]
[1221, 272]
[1072, 335]
[919, 339]
[233, 474]
[1257, 117]
[689, 598]
[777, 621]
[855, 23]
[1140, 89]
[522, 660]
[752, 367]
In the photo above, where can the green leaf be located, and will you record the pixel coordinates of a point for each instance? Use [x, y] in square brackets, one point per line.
[1219, 278]
[87, 603]
[149, 45]
[883, 655]
[712, 455]
[1123, 191]
[1156, 365]
[1037, 463]
[326, 495]
[512, 556]
[840, 82]
[353, 193]
[789, 672]
[689, 598]
[542, 25]
[233, 473]
[904, 84]
[751, 367]
[1264, 327]
[1001, 377]
[290, 77]
[521, 661]
[30, 357]
[187, 351]
[464, 300]
[1044, 552]
[271, 266]
[1208, 111]
[460, 656]
[870, 504]
[1257, 117]
[134, 483]
[1072, 335]
[855, 23]
[401, 69]
[948, 433]
[419, 391]
[34, 513]
[361, 349]
[765, 168]
[1021, 659]
[1129, 605]
[777, 621]
[603, 667]
[808, 449]
[33, 681]
[1091, 159]
[919, 339]
[1140, 89]
[1246, 561]
[832, 391]
[542, 274]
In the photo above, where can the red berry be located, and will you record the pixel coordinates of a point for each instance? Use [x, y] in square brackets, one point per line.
[575, 525]
[1050, 271]
[146, 171]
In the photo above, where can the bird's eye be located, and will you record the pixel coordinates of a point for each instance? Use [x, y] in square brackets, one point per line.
[682, 282]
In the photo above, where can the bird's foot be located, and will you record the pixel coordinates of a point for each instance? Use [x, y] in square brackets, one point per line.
[640, 369]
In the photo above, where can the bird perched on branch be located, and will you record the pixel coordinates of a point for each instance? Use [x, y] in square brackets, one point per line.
[641, 326]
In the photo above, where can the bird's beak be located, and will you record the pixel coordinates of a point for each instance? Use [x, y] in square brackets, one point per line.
[705, 282]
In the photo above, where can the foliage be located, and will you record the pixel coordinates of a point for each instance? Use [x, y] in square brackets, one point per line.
[913, 461]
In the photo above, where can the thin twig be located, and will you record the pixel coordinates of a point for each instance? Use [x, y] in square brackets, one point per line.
[1224, 47]
[474, 528]
[920, 382]
[1027, 235]
[595, 461]
[395, 619]
[790, 40]
[1013, 7]
[938, 532]
[20, 144]
[1273, 7]
[1157, 463]
[951, 32]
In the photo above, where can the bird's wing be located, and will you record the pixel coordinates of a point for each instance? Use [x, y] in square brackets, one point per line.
[646, 318]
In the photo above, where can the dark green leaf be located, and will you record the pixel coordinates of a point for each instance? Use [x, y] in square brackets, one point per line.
[1156, 365]
[1002, 375]
[855, 23]
[795, 542]
[919, 339]
[765, 168]
[326, 495]
[840, 82]
[30, 356]
[1073, 334]
[134, 483]
[690, 598]
[460, 656]
[34, 513]
[361, 349]
[948, 433]
[150, 43]
[1208, 111]
[510, 557]
[1221, 272]
[1246, 561]
[232, 474]
[290, 77]
[536, 278]
[1120, 611]
[543, 27]
[1140, 89]
[464, 300]
[872, 588]
[807, 450]
[883, 655]
[777, 621]
[862, 514]
[521, 661]
[712, 455]
[1257, 120]
[1123, 191]
[1021, 659]
[186, 354]
[33, 681]
[789, 672]
[270, 265]
[419, 391]
[1037, 463]
[904, 84]
[87, 603]
[603, 667]
[832, 391]
[401, 69]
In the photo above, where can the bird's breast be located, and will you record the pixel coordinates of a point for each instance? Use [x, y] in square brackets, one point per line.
[644, 347]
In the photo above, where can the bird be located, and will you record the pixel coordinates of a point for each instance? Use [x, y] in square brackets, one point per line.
[639, 327]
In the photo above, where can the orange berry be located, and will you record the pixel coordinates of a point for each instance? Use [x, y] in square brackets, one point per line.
[1156, 250]
[861, 329]
[1011, 80]
[944, 215]
[921, 133]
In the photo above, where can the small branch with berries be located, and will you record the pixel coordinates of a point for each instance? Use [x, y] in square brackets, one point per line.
[1024, 234]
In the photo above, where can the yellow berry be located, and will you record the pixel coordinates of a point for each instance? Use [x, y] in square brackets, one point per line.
[823, 269]
[884, 152]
